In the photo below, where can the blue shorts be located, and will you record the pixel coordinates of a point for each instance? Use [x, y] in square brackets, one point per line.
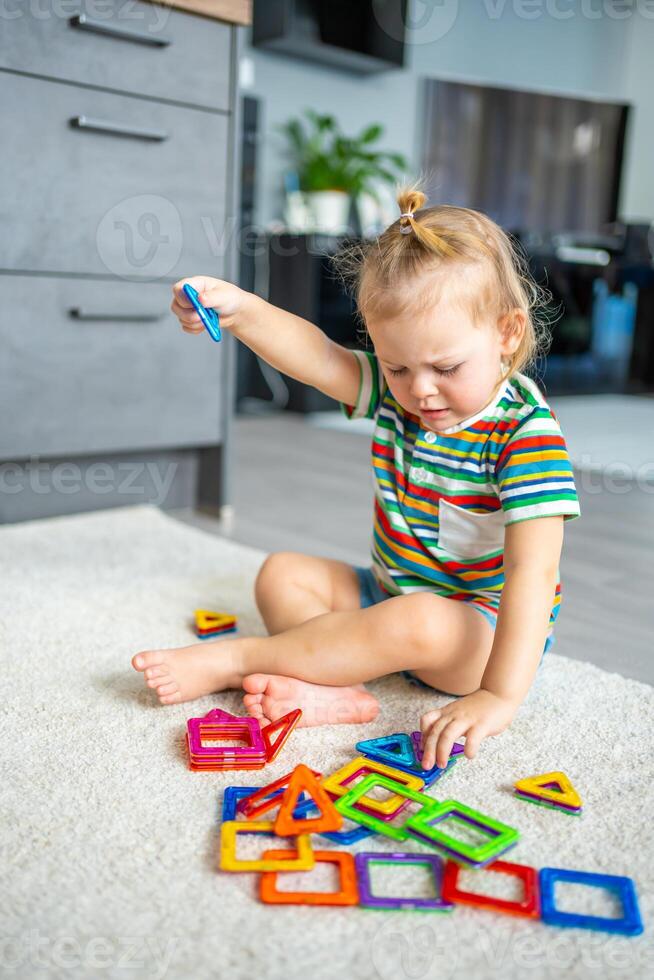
[371, 593]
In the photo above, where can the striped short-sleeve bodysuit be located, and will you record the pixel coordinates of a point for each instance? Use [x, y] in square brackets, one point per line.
[442, 500]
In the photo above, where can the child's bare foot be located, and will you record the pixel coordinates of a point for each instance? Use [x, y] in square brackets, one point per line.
[269, 696]
[189, 672]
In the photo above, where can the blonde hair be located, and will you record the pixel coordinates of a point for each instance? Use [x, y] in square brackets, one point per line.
[428, 250]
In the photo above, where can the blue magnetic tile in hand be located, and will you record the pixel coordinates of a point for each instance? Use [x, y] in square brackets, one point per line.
[209, 317]
[629, 925]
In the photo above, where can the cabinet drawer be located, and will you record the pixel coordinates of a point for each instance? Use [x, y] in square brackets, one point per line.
[143, 48]
[80, 197]
[118, 374]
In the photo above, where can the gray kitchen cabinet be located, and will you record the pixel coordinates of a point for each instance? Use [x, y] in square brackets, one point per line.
[107, 163]
[92, 366]
[143, 48]
[117, 179]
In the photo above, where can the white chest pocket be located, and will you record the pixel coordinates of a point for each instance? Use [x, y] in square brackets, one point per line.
[465, 534]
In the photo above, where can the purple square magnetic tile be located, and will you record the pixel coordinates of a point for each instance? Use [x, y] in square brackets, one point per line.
[365, 859]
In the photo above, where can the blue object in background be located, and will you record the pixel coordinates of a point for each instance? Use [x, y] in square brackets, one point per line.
[613, 325]
[208, 317]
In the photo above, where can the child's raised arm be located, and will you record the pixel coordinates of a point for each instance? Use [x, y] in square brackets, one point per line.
[287, 342]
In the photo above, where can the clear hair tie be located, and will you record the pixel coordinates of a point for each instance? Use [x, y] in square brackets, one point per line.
[406, 229]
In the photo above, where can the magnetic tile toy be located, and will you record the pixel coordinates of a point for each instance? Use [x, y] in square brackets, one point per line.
[300, 859]
[365, 859]
[337, 784]
[347, 805]
[528, 905]
[260, 802]
[283, 727]
[346, 837]
[214, 633]
[287, 824]
[209, 317]
[553, 788]
[429, 776]
[347, 893]
[458, 748]
[629, 925]
[208, 623]
[217, 714]
[205, 619]
[391, 749]
[528, 798]
[415, 768]
[500, 837]
[216, 757]
[233, 794]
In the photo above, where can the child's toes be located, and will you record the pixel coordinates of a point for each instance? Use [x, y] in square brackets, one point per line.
[148, 658]
[157, 682]
[159, 671]
[255, 683]
[251, 699]
[165, 689]
[255, 710]
[170, 698]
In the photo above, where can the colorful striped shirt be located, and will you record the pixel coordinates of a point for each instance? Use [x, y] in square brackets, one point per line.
[442, 500]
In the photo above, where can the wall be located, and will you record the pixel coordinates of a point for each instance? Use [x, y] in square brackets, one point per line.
[597, 53]
[638, 185]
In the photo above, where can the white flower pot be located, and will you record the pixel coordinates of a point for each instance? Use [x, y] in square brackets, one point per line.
[330, 210]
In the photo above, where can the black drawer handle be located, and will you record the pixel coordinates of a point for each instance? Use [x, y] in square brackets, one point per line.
[84, 23]
[117, 129]
[77, 313]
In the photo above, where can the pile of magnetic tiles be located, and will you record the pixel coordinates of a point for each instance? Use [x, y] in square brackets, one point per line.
[210, 624]
[308, 803]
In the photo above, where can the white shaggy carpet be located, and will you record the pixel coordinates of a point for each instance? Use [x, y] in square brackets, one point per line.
[109, 842]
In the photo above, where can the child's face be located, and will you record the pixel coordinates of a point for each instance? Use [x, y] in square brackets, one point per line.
[442, 365]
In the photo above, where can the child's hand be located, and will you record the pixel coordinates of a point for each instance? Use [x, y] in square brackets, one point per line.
[217, 294]
[475, 716]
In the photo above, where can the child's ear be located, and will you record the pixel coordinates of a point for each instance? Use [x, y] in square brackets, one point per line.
[511, 326]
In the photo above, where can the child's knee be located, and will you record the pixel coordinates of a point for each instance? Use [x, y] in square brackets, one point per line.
[273, 574]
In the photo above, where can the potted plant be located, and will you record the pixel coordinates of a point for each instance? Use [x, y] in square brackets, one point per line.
[333, 169]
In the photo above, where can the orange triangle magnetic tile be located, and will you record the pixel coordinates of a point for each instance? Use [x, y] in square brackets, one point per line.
[304, 781]
[262, 800]
[284, 726]
[555, 787]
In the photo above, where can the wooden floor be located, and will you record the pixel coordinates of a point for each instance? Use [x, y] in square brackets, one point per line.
[306, 489]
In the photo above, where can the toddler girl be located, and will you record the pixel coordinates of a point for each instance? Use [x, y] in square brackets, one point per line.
[472, 487]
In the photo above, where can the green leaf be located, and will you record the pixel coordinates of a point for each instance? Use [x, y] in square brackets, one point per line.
[372, 133]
